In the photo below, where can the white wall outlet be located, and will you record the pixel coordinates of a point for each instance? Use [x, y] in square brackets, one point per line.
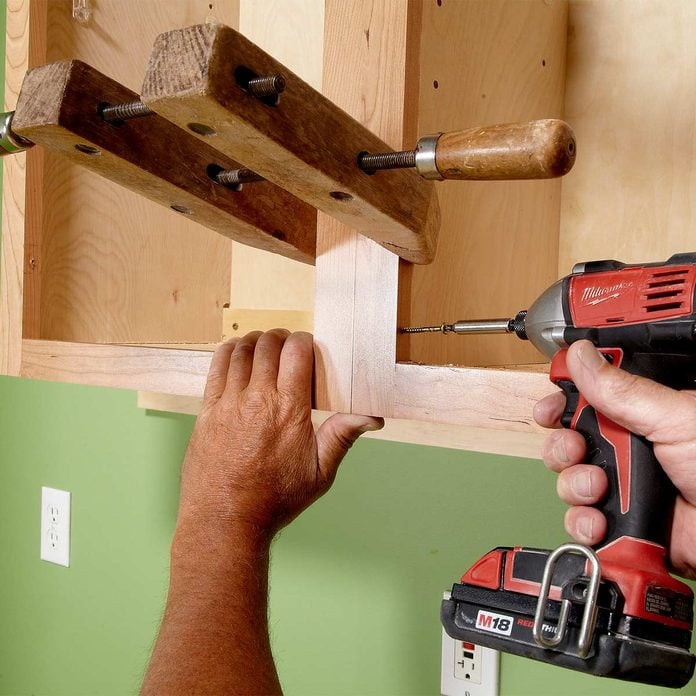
[55, 526]
[468, 669]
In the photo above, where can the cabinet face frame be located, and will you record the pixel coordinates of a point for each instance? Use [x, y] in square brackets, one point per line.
[356, 280]
[357, 304]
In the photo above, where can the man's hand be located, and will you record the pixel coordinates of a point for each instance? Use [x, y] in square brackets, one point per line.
[253, 457]
[253, 464]
[666, 417]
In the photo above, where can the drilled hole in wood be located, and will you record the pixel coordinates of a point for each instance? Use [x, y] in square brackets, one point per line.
[439, 3]
[243, 76]
[341, 196]
[543, 63]
[202, 129]
[88, 150]
[100, 111]
[181, 209]
[436, 84]
[235, 326]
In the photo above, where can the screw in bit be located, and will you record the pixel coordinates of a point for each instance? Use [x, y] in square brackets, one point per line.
[425, 329]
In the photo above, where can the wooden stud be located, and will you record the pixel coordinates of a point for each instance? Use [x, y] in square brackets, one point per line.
[304, 143]
[370, 63]
[58, 108]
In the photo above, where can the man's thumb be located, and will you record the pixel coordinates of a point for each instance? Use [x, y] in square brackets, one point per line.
[635, 403]
[337, 434]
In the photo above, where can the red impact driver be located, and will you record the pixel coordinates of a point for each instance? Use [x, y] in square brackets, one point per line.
[613, 610]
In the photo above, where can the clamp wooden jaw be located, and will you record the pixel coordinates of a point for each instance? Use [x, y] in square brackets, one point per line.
[216, 105]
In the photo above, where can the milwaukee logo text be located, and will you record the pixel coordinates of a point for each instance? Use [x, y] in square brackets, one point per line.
[598, 293]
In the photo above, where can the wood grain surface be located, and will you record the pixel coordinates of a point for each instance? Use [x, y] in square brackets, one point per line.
[19, 301]
[370, 62]
[292, 31]
[542, 149]
[486, 398]
[630, 97]
[103, 263]
[58, 108]
[483, 63]
[237, 321]
[461, 437]
[304, 143]
[167, 371]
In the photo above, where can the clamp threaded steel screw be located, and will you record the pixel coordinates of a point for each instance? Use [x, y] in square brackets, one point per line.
[387, 160]
[236, 177]
[123, 112]
[267, 86]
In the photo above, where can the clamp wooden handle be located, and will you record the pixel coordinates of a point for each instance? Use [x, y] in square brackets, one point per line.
[533, 150]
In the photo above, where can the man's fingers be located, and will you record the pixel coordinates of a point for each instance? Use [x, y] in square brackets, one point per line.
[635, 403]
[682, 551]
[264, 371]
[241, 361]
[586, 525]
[335, 437]
[217, 375]
[296, 367]
[548, 411]
[562, 449]
[583, 484]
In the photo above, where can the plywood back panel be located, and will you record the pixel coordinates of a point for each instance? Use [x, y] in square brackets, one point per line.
[489, 62]
[111, 266]
[632, 102]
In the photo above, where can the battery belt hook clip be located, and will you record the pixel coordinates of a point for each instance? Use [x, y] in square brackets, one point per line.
[589, 617]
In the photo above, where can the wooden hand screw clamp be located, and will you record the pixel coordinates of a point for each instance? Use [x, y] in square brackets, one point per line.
[213, 100]
[61, 107]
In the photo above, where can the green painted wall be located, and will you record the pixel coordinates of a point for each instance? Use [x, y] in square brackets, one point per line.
[356, 580]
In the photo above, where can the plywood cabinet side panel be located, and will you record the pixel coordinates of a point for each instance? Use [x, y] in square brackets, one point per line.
[498, 61]
[25, 47]
[114, 267]
[631, 99]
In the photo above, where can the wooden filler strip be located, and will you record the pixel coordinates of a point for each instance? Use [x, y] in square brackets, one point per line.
[303, 143]
[59, 108]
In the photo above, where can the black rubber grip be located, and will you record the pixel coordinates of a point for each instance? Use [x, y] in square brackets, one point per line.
[641, 496]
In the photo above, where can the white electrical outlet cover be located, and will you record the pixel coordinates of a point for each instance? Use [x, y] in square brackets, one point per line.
[55, 526]
[467, 669]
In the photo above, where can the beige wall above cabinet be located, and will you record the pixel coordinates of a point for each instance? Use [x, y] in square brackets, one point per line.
[88, 266]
